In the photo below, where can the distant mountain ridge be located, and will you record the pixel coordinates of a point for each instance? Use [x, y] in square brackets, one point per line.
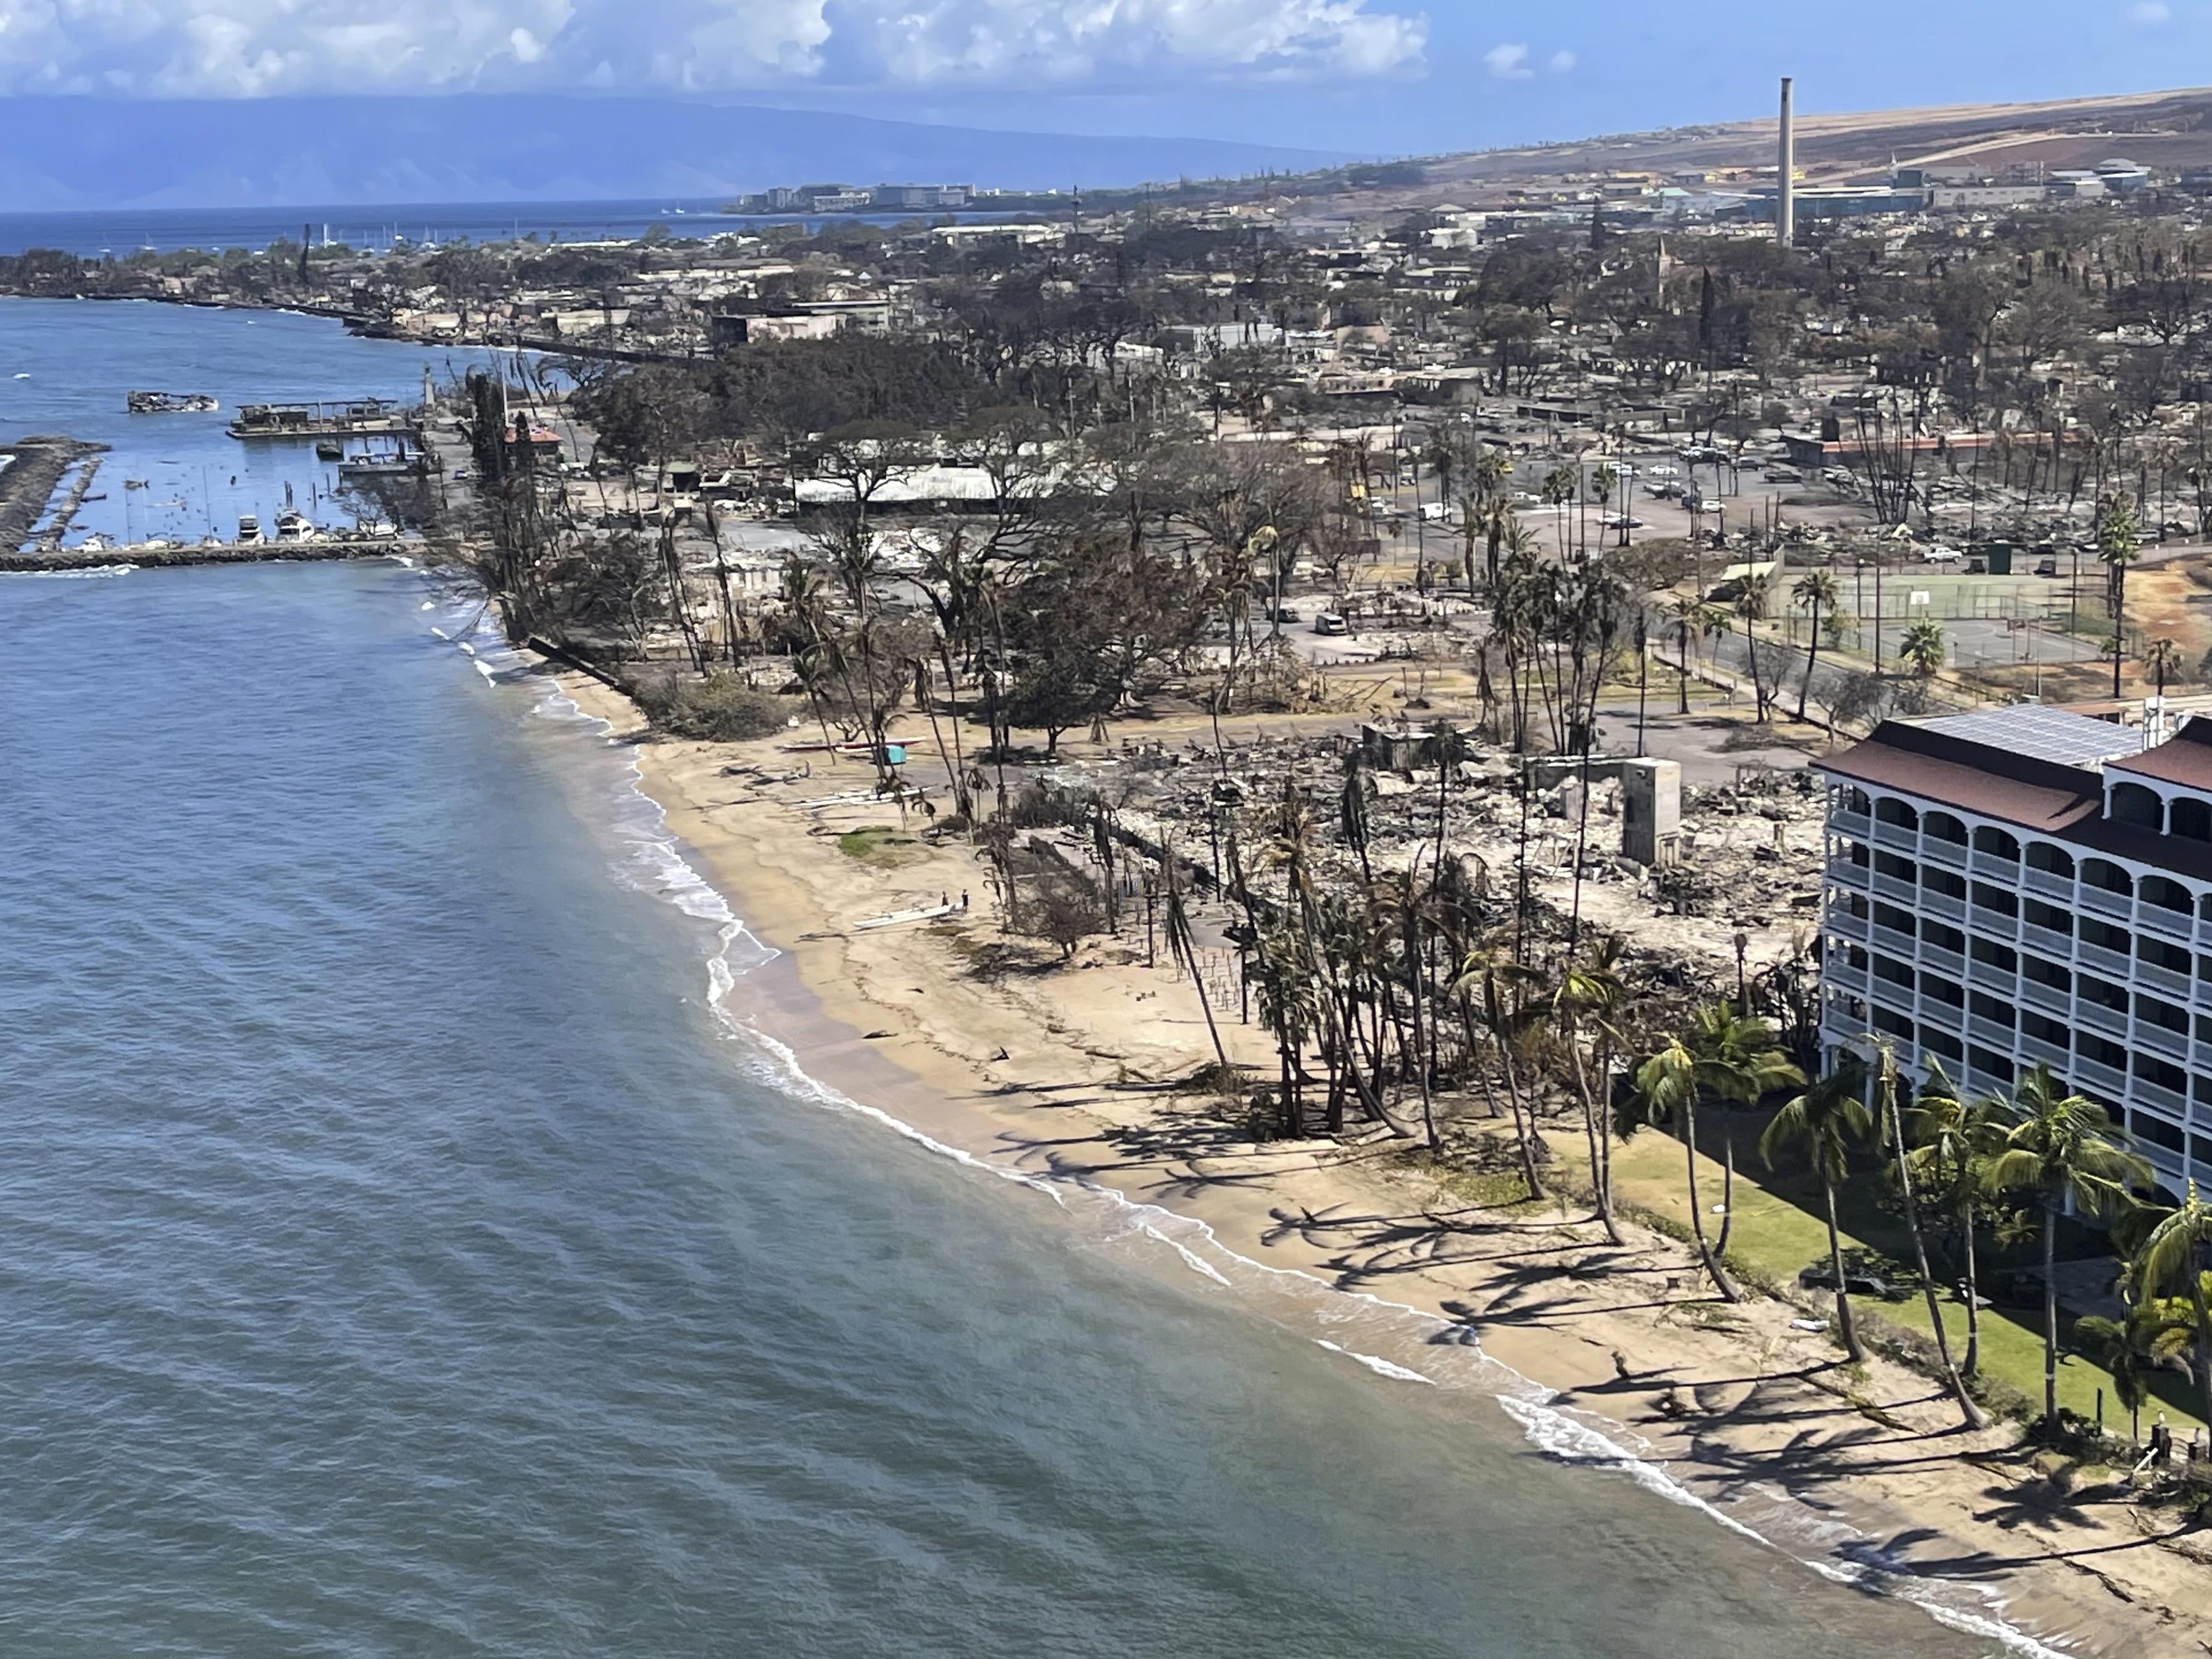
[59, 153]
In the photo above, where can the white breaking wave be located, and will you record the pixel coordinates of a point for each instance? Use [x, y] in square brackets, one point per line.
[83, 573]
[1380, 1367]
[1570, 1441]
[658, 866]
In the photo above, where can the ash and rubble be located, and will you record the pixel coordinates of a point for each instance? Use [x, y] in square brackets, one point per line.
[1746, 858]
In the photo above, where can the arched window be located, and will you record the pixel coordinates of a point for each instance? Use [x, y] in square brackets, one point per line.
[1890, 810]
[2102, 872]
[2190, 817]
[2042, 855]
[2166, 895]
[1997, 843]
[2137, 804]
[1943, 826]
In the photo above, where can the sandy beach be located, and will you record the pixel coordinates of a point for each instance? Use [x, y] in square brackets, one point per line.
[1075, 1073]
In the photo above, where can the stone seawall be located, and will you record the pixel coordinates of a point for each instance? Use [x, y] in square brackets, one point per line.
[76, 558]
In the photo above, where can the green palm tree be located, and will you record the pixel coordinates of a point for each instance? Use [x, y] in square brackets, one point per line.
[1558, 490]
[1495, 521]
[1582, 1002]
[1816, 591]
[1689, 615]
[1892, 1128]
[2118, 540]
[1501, 985]
[1289, 987]
[2162, 661]
[1446, 456]
[1492, 467]
[2061, 1148]
[2172, 1261]
[1922, 650]
[1667, 1090]
[1751, 605]
[1827, 1117]
[1950, 1138]
[1741, 1062]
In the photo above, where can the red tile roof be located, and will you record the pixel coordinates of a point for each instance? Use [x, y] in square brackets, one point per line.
[2049, 797]
[2185, 758]
[2036, 795]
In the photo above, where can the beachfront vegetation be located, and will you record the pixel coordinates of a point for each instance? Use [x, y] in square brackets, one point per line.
[718, 707]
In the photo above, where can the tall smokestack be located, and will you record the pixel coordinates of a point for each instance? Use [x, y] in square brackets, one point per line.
[1785, 202]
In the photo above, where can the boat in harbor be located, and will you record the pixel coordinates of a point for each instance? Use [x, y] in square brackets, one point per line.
[294, 527]
[249, 529]
[170, 402]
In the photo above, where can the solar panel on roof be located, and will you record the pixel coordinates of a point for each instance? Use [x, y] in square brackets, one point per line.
[2050, 734]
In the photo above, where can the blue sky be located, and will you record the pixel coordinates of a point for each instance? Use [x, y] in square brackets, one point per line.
[1373, 76]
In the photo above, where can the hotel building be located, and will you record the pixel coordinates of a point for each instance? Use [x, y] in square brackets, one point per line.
[2023, 885]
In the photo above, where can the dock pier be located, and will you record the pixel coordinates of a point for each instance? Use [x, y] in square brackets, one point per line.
[360, 417]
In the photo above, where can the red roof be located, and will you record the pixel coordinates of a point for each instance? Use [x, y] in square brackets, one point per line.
[2050, 798]
[2185, 758]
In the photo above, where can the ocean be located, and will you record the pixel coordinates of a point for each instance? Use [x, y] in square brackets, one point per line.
[120, 232]
[411, 1248]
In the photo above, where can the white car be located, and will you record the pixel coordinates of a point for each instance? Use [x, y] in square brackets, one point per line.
[1942, 555]
[1622, 521]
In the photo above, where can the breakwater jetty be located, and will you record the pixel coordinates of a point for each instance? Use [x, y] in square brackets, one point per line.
[34, 468]
[309, 550]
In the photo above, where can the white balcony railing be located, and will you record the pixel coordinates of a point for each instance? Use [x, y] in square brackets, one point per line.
[2110, 963]
[2104, 900]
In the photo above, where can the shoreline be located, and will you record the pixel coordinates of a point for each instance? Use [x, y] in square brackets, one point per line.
[1069, 1081]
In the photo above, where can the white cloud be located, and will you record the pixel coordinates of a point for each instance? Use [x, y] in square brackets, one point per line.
[1509, 61]
[228, 48]
[1560, 62]
[2149, 14]
[1063, 41]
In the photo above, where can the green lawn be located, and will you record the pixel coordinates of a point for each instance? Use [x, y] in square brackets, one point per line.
[881, 845]
[1779, 1228]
